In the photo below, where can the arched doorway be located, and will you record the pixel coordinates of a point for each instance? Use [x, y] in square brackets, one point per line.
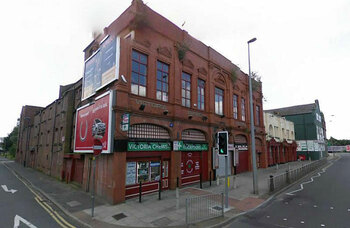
[194, 154]
[147, 159]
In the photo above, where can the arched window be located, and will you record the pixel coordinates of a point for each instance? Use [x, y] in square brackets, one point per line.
[148, 131]
[193, 135]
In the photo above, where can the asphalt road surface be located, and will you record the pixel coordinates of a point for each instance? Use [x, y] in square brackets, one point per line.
[322, 202]
[22, 206]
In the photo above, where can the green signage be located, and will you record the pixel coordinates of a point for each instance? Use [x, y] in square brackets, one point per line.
[149, 146]
[181, 146]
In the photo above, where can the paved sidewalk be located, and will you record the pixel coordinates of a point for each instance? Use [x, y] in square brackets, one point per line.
[151, 212]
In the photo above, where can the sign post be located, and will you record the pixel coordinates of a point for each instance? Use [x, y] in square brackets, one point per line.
[97, 147]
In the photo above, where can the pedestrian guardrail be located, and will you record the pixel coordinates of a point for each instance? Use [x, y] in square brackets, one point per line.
[205, 207]
[279, 181]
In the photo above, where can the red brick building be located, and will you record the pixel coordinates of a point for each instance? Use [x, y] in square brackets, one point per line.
[176, 94]
[176, 90]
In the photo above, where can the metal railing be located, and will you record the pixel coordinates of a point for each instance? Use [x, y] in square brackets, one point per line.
[279, 181]
[204, 207]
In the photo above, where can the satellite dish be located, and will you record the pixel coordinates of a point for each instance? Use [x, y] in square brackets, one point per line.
[123, 78]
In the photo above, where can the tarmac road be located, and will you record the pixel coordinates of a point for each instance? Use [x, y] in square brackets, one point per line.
[323, 201]
[25, 207]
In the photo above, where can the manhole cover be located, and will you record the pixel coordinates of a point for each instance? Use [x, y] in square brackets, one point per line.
[73, 203]
[218, 208]
[119, 216]
[161, 222]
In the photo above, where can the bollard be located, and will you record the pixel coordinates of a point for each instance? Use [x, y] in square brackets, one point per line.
[210, 178]
[140, 192]
[272, 185]
[200, 181]
[234, 182]
[287, 177]
[177, 188]
[160, 190]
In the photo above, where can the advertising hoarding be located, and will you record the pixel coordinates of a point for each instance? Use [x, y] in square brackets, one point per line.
[94, 121]
[102, 67]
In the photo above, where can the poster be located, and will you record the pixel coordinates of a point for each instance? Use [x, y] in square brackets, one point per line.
[130, 173]
[94, 121]
[102, 67]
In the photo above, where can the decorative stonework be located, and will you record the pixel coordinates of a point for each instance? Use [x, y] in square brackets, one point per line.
[144, 43]
[202, 71]
[188, 63]
[220, 79]
[164, 51]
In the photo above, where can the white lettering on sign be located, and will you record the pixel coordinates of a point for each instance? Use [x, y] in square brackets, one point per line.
[84, 115]
[97, 147]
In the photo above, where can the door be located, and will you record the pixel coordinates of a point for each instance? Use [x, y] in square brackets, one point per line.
[190, 167]
[165, 175]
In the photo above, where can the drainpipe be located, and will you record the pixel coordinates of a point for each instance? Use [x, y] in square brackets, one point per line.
[38, 141]
[53, 135]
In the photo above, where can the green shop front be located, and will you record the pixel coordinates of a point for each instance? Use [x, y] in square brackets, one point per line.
[194, 161]
[147, 163]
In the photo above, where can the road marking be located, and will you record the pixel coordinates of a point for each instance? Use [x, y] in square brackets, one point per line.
[6, 189]
[315, 205]
[322, 224]
[268, 216]
[307, 182]
[331, 208]
[59, 219]
[18, 219]
[302, 222]
[284, 219]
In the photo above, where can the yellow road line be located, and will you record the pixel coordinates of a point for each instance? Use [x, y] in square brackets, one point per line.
[58, 218]
[50, 213]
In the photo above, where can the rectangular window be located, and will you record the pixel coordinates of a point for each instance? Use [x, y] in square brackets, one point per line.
[257, 115]
[162, 81]
[219, 101]
[243, 109]
[201, 86]
[139, 73]
[235, 106]
[186, 90]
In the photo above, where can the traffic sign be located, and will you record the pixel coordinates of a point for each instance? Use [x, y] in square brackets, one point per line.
[97, 147]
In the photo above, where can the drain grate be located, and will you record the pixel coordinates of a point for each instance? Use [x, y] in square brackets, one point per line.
[119, 216]
[218, 208]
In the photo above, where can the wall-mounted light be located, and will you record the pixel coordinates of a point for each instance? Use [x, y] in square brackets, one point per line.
[142, 107]
[165, 112]
[222, 116]
[190, 117]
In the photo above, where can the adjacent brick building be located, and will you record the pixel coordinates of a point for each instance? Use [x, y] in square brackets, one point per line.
[310, 128]
[280, 139]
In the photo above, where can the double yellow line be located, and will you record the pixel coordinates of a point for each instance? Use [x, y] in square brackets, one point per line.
[58, 218]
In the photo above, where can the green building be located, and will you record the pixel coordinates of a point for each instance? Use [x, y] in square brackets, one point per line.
[310, 129]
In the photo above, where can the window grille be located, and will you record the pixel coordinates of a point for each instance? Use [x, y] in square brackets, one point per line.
[147, 131]
[193, 135]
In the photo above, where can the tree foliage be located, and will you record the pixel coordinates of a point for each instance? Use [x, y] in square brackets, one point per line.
[338, 142]
[10, 142]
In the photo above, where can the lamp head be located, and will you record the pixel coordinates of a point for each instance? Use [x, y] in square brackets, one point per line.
[252, 40]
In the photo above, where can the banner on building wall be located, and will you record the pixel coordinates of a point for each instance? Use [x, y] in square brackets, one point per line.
[94, 121]
[310, 145]
[301, 145]
[102, 67]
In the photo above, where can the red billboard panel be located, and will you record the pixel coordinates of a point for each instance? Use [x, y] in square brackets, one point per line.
[93, 121]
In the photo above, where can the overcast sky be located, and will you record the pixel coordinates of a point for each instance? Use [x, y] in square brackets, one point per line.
[302, 52]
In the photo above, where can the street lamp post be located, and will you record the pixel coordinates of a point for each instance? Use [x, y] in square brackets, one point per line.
[252, 128]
